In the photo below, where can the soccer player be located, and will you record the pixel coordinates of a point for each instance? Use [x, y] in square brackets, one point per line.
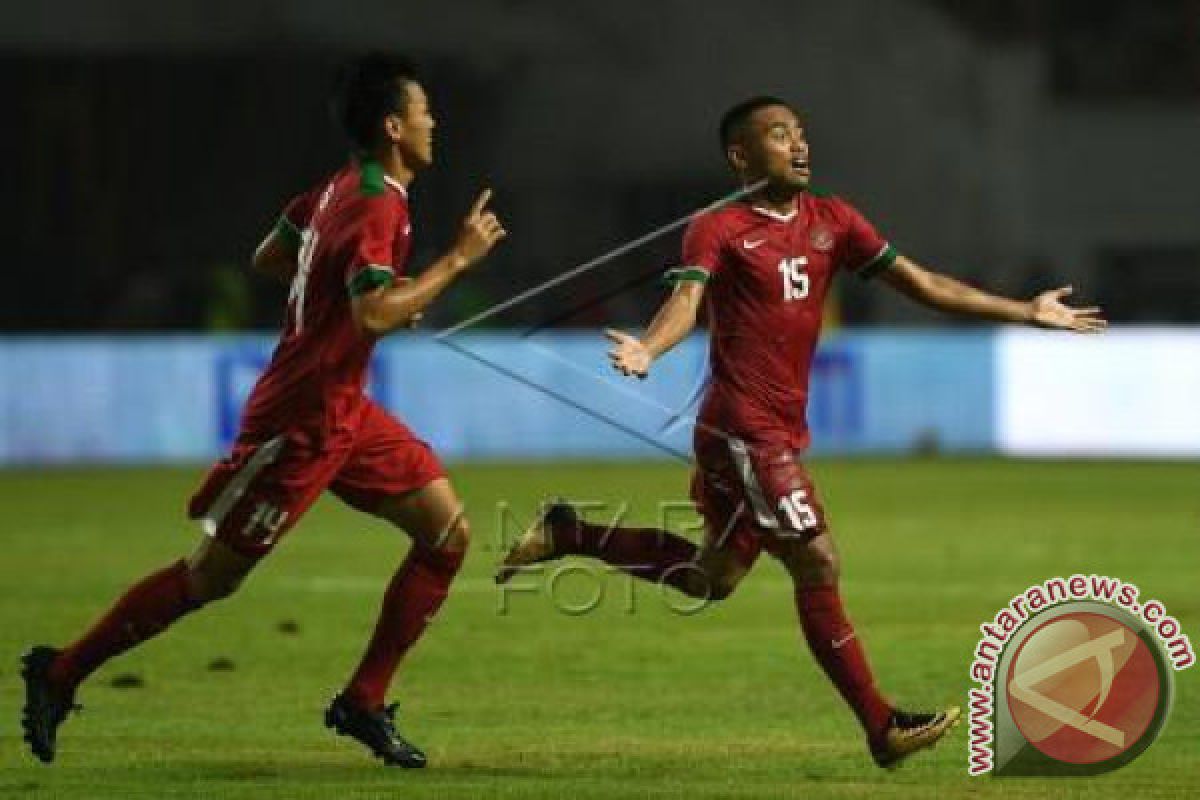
[764, 266]
[308, 426]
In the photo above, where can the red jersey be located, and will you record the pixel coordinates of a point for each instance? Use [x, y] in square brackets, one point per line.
[352, 234]
[768, 274]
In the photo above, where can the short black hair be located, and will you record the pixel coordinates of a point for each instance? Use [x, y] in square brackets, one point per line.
[368, 89]
[734, 120]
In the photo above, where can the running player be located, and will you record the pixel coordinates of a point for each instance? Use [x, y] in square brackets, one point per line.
[308, 426]
[767, 263]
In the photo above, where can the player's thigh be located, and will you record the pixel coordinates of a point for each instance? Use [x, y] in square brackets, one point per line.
[433, 515]
[780, 508]
[779, 492]
[799, 536]
[394, 475]
[732, 542]
[251, 499]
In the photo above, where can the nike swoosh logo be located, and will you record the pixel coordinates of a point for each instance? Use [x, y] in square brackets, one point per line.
[840, 643]
[749, 245]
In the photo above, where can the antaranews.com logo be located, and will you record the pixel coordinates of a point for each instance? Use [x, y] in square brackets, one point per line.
[1075, 677]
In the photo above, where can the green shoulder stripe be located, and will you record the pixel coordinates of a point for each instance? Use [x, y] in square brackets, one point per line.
[371, 177]
[880, 263]
[368, 279]
[686, 274]
[288, 232]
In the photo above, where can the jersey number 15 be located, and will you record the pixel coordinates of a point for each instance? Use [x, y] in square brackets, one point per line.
[795, 278]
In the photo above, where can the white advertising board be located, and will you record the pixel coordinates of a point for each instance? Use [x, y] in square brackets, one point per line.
[1133, 393]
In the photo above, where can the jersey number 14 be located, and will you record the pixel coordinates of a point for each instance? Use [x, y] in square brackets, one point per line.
[795, 278]
[304, 256]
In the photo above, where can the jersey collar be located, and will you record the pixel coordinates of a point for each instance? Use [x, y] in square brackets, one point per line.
[775, 215]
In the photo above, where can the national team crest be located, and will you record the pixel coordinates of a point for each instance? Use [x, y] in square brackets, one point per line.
[821, 239]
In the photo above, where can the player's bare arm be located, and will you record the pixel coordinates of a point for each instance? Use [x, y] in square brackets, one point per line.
[943, 293]
[275, 257]
[673, 322]
[387, 308]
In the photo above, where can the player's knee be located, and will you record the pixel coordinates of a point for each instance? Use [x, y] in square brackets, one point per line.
[206, 586]
[827, 567]
[445, 555]
[708, 584]
[215, 571]
[814, 563]
[818, 569]
[457, 536]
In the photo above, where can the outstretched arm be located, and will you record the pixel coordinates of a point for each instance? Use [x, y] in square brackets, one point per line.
[943, 293]
[674, 321]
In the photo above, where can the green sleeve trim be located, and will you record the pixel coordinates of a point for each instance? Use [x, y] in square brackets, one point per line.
[880, 263]
[369, 279]
[686, 275]
[288, 232]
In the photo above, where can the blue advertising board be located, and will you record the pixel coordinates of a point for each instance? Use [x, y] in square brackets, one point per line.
[479, 395]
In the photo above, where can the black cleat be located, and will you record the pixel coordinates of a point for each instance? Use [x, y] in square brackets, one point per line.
[44, 709]
[374, 729]
[907, 733]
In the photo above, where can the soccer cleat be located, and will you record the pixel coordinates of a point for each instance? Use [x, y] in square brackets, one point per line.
[906, 733]
[44, 709]
[537, 543]
[374, 729]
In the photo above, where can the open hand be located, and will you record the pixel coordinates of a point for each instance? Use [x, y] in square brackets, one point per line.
[628, 355]
[1049, 311]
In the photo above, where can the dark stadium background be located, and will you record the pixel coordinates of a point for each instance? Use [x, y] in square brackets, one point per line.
[148, 145]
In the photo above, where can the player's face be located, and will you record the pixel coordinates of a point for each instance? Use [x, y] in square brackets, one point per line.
[414, 135]
[775, 147]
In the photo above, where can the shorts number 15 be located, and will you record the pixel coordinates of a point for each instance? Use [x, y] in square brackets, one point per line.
[800, 514]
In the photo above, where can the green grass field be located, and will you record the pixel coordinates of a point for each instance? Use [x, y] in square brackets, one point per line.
[539, 703]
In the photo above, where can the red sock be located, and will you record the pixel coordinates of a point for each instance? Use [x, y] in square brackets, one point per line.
[836, 647]
[648, 553]
[410, 602]
[145, 610]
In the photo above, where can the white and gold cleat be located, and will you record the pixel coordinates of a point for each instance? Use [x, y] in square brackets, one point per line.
[908, 733]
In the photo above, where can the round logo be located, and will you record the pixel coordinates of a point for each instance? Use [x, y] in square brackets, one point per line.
[1086, 688]
[821, 238]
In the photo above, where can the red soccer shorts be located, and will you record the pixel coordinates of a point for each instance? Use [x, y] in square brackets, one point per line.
[252, 498]
[753, 494]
